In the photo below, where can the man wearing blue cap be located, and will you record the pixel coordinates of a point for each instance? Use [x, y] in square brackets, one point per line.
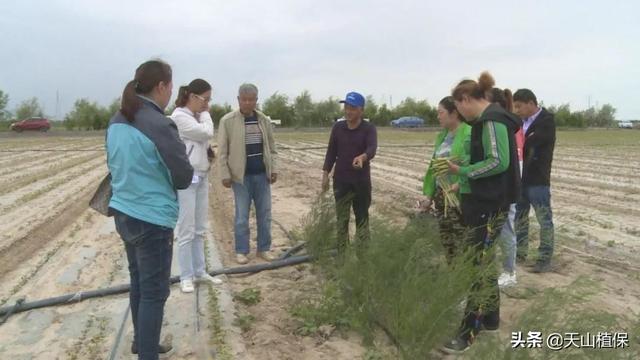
[352, 146]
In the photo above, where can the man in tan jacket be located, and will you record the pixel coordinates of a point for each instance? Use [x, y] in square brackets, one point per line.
[247, 164]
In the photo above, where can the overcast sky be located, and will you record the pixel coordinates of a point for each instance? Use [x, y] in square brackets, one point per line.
[565, 51]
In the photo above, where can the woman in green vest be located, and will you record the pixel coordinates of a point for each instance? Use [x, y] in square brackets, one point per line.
[451, 143]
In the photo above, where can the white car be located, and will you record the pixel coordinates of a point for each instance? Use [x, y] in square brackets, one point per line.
[275, 122]
[625, 125]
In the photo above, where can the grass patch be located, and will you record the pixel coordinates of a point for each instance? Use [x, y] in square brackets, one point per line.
[562, 311]
[328, 309]
[401, 284]
[217, 335]
[398, 282]
[597, 137]
[249, 296]
[244, 321]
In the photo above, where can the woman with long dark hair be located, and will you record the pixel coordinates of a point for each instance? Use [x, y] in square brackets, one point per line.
[195, 126]
[148, 163]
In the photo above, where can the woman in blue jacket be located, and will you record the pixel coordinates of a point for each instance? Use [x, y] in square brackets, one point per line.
[148, 163]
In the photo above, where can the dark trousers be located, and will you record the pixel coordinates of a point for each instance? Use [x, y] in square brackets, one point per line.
[355, 195]
[451, 226]
[540, 198]
[149, 250]
[483, 228]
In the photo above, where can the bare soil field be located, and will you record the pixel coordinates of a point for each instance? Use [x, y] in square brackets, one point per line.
[52, 244]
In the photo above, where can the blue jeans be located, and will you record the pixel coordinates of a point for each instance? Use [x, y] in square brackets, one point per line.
[507, 241]
[258, 189]
[149, 250]
[540, 198]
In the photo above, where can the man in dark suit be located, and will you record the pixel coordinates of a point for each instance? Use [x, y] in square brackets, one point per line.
[540, 137]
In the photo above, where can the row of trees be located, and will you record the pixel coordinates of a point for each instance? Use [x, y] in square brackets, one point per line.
[28, 108]
[300, 111]
[603, 116]
[303, 112]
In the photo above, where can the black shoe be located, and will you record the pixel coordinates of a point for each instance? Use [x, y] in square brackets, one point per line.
[162, 349]
[457, 345]
[491, 321]
[542, 267]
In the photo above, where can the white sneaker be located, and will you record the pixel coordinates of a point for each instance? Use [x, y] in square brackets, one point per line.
[186, 285]
[267, 256]
[208, 278]
[507, 279]
[242, 259]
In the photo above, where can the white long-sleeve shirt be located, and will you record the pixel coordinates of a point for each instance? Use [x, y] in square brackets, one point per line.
[196, 130]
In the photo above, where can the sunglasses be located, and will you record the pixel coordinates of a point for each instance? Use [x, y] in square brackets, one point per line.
[201, 98]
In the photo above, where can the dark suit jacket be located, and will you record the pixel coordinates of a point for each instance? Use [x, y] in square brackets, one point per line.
[539, 142]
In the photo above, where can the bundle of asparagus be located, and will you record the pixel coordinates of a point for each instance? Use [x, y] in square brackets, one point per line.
[441, 170]
[450, 196]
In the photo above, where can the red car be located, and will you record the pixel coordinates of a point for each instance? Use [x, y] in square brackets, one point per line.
[34, 123]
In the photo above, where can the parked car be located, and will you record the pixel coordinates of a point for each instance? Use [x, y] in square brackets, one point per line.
[275, 123]
[34, 123]
[625, 125]
[408, 122]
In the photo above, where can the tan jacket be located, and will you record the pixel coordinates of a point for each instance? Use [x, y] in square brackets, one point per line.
[232, 146]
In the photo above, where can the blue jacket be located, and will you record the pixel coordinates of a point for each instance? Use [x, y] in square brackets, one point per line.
[148, 162]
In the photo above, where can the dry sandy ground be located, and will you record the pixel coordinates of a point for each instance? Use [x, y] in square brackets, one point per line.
[51, 244]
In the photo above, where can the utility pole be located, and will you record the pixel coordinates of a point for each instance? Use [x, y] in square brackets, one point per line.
[57, 104]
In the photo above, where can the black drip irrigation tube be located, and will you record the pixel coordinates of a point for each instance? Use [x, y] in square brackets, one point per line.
[21, 306]
[293, 250]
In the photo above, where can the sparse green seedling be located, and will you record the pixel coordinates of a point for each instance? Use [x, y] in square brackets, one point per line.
[217, 335]
[244, 321]
[249, 296]
[383, 284]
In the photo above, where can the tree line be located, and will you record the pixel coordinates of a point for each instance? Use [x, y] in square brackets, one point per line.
[298, 112]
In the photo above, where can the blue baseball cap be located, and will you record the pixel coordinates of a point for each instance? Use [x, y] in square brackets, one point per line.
[353, 99]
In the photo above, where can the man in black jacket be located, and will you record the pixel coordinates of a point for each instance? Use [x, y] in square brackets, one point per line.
[540, 137]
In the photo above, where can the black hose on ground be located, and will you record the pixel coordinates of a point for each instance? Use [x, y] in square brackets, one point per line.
[293, 250]
[12, 310]
[120, 289]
